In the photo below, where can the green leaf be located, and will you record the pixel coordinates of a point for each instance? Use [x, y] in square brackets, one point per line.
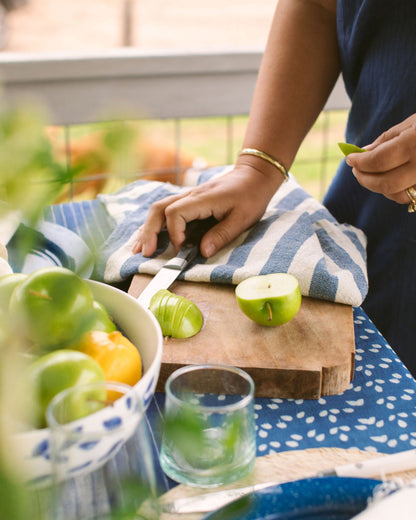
[185, 429]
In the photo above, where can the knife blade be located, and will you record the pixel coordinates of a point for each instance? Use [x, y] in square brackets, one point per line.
[379, 466]
[210, 501]
[371, 468]
[195, 230]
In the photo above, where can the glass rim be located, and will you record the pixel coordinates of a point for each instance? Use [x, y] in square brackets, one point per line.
[123, 388]
[241, 403]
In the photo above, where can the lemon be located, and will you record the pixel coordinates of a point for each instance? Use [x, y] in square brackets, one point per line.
[117, 356]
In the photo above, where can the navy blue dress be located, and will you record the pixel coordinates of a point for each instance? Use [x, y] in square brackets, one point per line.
[377, 44]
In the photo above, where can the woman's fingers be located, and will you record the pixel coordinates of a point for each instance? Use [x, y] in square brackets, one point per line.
[222, 233]
[389, 165]
[146, 241]
[391, 184]
[236, 200]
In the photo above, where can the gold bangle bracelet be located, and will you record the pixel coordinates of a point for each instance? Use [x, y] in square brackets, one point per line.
[268, 158]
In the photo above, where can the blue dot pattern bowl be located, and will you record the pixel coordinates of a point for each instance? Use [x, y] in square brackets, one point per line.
[140, 326]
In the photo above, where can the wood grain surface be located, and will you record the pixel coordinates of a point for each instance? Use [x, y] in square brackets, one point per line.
[310, 356]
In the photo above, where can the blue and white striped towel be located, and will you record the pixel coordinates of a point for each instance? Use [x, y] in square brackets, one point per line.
[296, 235]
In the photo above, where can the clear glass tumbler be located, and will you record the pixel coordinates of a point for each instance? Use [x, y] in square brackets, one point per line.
[103, 465]
[209, 429]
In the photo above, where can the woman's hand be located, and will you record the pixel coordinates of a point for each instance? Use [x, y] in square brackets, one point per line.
[389, 165]
[237, 200]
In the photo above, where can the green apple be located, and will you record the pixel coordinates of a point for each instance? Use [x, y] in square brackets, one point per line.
[178, 317]
[54, 306]
[101, 320]
[270, 299]
[54, 372]
[347, 148]
[8, 283]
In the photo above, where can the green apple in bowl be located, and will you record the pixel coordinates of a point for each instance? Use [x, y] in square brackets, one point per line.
[270, 299]
[8, 283]
[57, 371]
[100, 319]
[54, 306]
[141, 327]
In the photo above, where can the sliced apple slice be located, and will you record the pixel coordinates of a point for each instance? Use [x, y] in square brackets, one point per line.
[271, 299]
[178, 317]
[347, 148]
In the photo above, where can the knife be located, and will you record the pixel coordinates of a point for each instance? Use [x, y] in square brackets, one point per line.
[210, 501]
[377, 467]
[195, 230]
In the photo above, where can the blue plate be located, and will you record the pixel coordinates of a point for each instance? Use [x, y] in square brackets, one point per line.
[46, 246]
[326, 498]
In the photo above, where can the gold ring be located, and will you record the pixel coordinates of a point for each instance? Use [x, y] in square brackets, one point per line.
[411, 193]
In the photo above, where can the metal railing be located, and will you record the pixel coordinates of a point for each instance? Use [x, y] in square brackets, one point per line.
[134, 85]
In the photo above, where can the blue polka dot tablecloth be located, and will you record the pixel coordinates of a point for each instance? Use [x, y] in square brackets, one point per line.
[376, 413]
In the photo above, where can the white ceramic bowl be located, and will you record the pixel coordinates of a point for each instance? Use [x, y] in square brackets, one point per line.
[141, 327]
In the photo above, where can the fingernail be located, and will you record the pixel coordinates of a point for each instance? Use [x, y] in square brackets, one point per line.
[210, 249]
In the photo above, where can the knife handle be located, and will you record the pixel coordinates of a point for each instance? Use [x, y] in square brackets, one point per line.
[196, 229]
[379, 466]
[183, 258]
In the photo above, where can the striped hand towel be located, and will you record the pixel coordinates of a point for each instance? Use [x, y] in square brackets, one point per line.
[296, 235]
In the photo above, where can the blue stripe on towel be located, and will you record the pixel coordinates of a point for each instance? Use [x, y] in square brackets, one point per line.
[132, 211]
[223, 273]
[289, 238]
[351, 233]
[342, 258]
[292, 200]
[323, 286]
[288, 245]
[297, 234]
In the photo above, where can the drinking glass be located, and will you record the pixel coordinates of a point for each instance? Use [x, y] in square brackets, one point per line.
[103, 465]
[209, 430]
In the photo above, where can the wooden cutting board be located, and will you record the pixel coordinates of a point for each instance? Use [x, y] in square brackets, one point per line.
[310, 356]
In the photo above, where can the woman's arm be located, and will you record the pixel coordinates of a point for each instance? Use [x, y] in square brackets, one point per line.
[298, 71]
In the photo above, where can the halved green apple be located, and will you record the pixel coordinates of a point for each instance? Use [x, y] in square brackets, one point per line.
[270, 299]
[178, 317]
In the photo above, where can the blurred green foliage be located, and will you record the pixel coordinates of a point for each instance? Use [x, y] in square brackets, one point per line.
[31, 177]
